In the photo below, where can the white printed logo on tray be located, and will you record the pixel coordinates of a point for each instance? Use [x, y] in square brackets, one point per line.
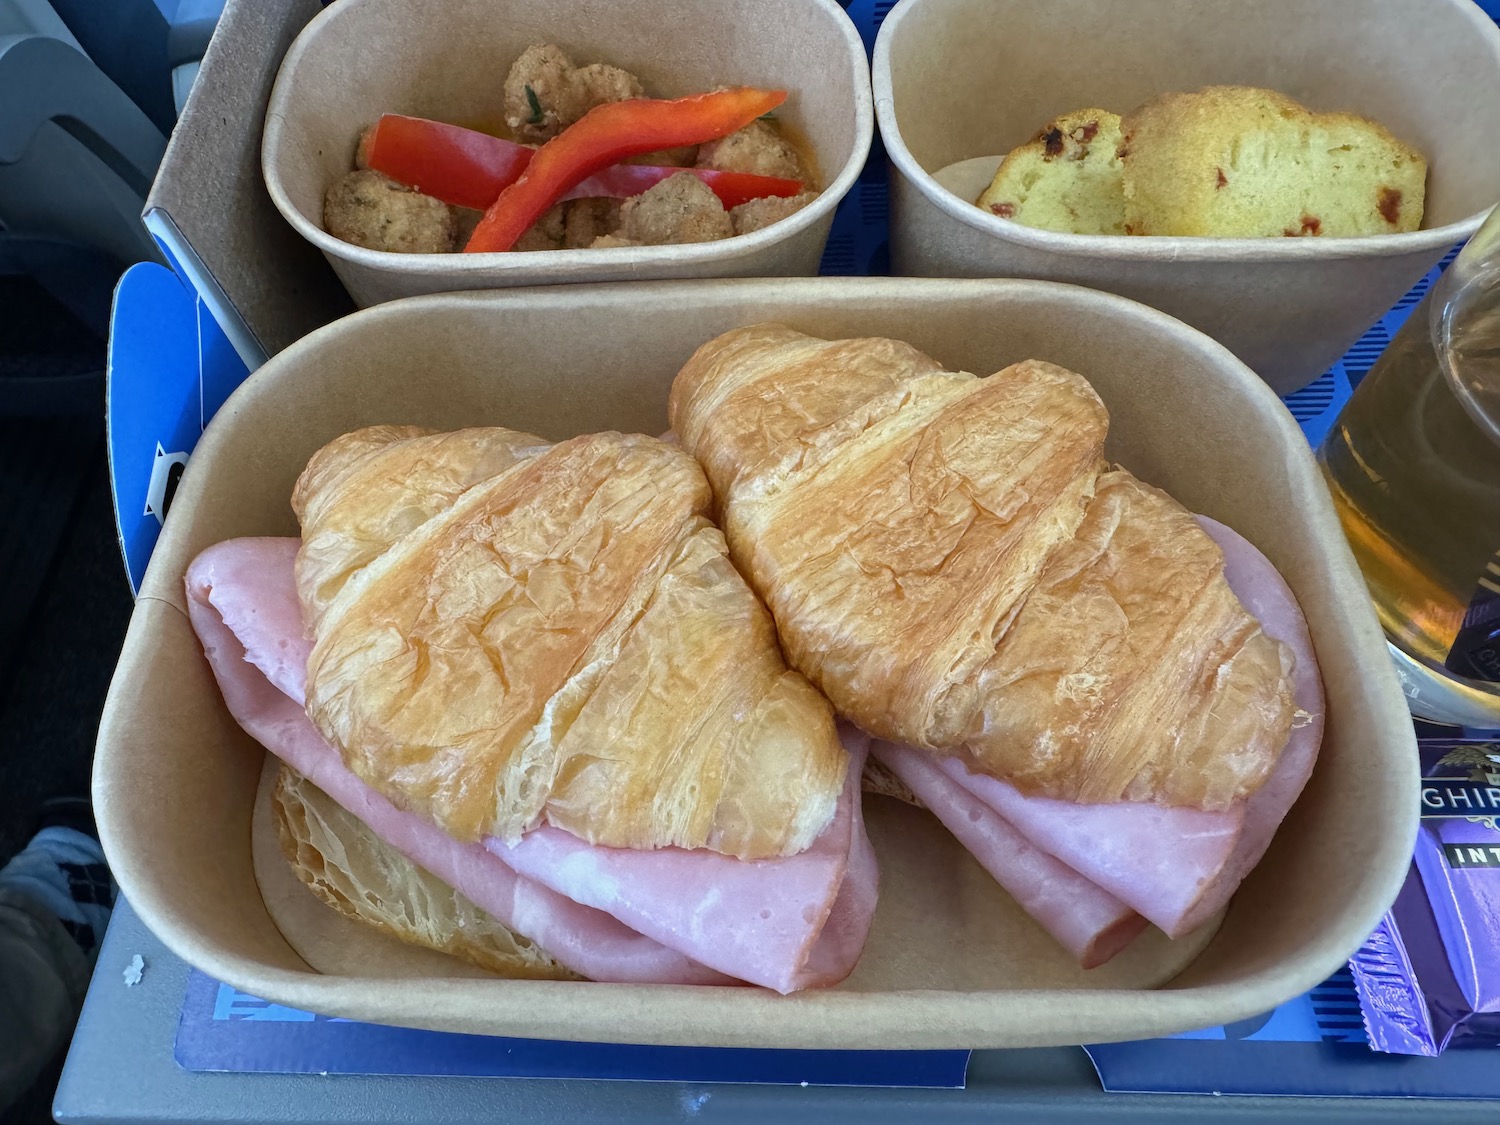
[166, 471]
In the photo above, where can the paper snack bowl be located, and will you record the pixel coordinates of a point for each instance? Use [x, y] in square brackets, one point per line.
[447, 60]
[951, 961]
[959, 83]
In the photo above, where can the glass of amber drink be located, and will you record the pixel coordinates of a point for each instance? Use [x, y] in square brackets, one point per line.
[1413, 463]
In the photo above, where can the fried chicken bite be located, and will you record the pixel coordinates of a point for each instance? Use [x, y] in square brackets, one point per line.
[589, 219]
[682, 208]
[545, 92]
[547, 232]
[758, 149]
[375, 212]
[757, 213]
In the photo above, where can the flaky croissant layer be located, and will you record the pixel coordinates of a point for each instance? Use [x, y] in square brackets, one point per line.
[352, 870]
[952, 561]
[509, 633]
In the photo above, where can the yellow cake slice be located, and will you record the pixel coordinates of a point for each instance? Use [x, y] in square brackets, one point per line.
[1241, 162]
[1068, 179]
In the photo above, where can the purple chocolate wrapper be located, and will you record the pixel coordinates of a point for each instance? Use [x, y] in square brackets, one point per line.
[1459, 863]
[1429, 977]
[1395, 1011]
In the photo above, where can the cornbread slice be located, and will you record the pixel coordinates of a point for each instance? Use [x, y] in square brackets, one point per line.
[1240, 162]
[1068, 179]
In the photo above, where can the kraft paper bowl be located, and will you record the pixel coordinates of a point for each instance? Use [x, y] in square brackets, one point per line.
[447, 59]
[958, 83]
[951, 961]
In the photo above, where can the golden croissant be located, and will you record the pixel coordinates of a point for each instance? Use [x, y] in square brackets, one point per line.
[954, 563]
[509, 633]
[352, 870]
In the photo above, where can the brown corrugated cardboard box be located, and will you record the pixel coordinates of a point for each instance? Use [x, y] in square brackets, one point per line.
[209, 208]
[951, 961]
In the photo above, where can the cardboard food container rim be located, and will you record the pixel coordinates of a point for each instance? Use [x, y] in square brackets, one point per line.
[1155, 247]
[680, 253]
[936, 1019]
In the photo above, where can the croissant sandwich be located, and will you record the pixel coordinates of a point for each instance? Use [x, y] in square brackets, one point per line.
[531, 714]
[1112, 703]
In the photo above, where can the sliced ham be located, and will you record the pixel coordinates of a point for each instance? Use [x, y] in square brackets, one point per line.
[791, 923]
[1085, 919]
[241, 581]
[1270, 601]
[245, 581]
[1158, 860]
[669, 916]
[1176, 867]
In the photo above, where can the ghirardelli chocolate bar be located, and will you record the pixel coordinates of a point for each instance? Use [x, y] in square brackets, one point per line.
[1429, 977]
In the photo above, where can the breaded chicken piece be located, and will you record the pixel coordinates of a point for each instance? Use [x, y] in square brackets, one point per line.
[547, 232]
[464, 221]
[589, 219]
[682, 208]
[544, 92]
[758, 149]
[758, 213]
[362, 148]
[369, 210]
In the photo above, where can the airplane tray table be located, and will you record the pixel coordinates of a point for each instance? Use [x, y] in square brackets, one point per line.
[121, 1069]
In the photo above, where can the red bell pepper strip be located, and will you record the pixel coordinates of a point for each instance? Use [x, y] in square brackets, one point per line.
[605, 135]
[454, 164]
[471, 169]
